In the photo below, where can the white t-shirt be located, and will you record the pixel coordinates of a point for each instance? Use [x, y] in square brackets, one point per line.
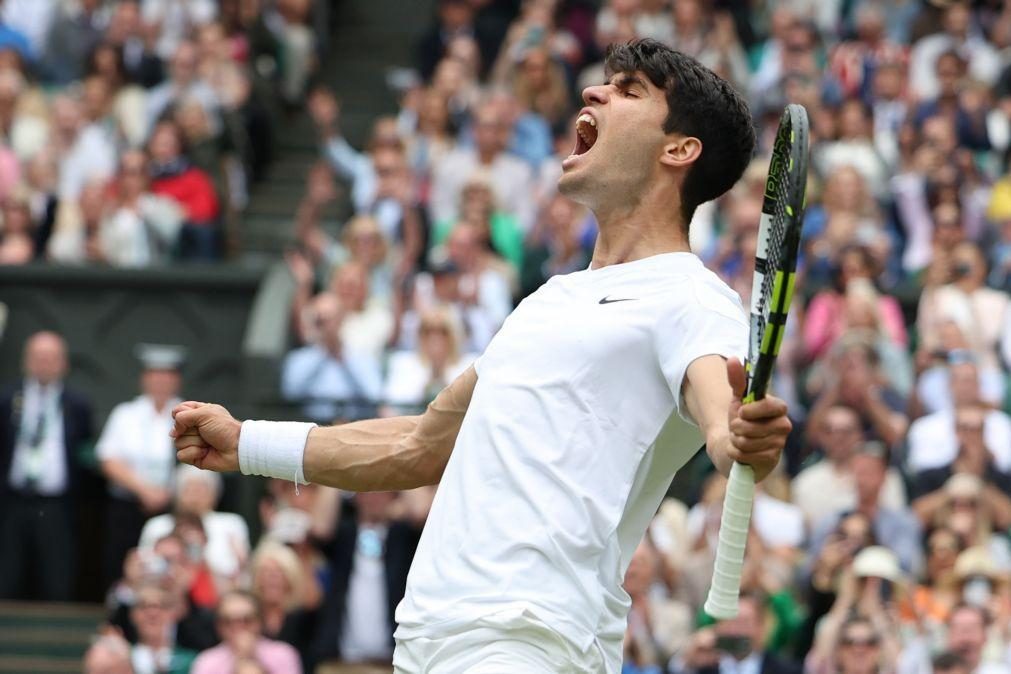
[227, 539]
[568, 446]
[138, 435]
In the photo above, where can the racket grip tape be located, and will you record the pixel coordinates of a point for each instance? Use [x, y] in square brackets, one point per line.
[726, 587]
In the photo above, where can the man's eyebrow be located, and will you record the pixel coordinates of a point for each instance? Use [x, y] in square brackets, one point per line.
[626, 80]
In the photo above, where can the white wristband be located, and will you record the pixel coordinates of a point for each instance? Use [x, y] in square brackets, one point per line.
[273, 449]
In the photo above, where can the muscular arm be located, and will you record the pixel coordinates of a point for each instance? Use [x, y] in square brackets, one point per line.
[394, 453]
[753, 434]
[374, 455]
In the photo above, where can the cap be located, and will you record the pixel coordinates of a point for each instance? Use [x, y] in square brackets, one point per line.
[963, 485]
[876, 561]
[975, 561]
[160, 356]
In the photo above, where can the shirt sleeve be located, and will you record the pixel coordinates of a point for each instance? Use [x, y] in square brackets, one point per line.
[108, 446]
[709, 322]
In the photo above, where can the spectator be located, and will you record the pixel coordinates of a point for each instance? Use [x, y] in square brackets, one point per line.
[197, 493]
[500, 230]
[853, 377]
[933, 439]
[298, 46]
[895, 528]
[170, 566]
[137, 456]
[510, 177]
[868, 593]
[957, 34]
[959, 505]
[141, 228]
[330, 378]
[108, 655]
[858, 650]
[371, 554]
[43, 425]
[288, 602]
[173, 177]
[127, 35]
[415, 377]
[184, 82]
[739, 643]
[935, 385]
[86, 151]
[979, 311]
[239, 623]
[74, 33]
[829, 486]
[175, 20]
[828, 316]
[555, 245]
[155, 651]
[967, 638]
[657, 626]
[930, 602]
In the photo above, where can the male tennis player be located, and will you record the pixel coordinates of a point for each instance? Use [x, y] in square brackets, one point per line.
[555, 449]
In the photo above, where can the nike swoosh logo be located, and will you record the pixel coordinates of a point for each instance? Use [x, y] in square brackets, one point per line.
[608, 300]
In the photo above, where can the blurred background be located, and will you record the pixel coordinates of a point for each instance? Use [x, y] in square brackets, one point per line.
[324, 209]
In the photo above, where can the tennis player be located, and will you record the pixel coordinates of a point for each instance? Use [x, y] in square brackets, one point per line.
[554, 450]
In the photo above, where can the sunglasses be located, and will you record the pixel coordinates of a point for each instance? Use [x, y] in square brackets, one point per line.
[246, 619]
[854, 641]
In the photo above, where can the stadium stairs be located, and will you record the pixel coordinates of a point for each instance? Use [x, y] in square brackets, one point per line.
[38, 638]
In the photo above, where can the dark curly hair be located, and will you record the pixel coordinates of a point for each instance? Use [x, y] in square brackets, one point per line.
[701, 104]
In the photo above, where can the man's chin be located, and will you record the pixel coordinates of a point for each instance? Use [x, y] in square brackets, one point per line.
[574, 186]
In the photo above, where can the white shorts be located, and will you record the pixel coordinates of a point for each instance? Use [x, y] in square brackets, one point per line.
[530, 648]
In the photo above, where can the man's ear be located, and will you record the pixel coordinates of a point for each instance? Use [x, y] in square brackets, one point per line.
[681, 152]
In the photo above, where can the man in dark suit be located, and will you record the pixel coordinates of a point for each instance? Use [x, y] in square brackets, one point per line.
[370, 558]
[735, 646]
[42, 427]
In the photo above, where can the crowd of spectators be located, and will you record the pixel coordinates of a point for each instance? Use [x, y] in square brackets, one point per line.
[132, 130]
[882, 542]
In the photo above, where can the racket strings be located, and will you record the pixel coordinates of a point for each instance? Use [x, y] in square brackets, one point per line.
[776, 233]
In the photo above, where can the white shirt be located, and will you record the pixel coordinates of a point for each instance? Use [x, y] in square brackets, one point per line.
[933, 443]
[510, 178]
[138, 435]
[46, 462]
[365, 633]
[823, 489]
[409, 377]
[227, 539]
[574, 431]
[311, 373]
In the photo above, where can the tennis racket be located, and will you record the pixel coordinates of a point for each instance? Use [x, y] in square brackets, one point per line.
[771, 292]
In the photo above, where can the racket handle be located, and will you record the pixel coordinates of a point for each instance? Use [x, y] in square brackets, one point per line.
[723, 593]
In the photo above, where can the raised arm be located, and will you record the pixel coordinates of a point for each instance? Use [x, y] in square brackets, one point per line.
[373, 455]
[753, 434]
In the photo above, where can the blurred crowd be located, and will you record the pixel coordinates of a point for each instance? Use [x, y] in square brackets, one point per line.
[132, 129]
[880, 545]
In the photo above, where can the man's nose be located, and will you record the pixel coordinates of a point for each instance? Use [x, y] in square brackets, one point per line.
[595, 94]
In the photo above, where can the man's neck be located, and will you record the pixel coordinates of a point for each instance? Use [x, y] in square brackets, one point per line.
[648, 226]
[625, 237]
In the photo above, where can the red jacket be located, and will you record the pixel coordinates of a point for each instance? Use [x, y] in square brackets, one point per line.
[194, 191]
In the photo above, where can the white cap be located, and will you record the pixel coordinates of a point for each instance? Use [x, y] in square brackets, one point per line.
[160, 356]
[876, 561]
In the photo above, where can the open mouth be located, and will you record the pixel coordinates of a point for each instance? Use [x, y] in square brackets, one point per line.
[586, 133]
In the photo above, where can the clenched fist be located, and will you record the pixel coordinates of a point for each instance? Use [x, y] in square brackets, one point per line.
[206, 436]
[758, 430]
